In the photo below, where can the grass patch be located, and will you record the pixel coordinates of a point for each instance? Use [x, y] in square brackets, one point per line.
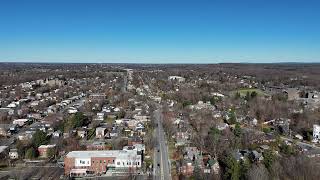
[109, 120]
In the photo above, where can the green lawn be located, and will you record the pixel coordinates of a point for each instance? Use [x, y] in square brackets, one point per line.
[109, 120]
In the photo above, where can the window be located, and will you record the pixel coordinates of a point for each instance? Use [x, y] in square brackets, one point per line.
[108, 161]
[118, 163]
[82, 162]
[113, 161]
[100, 161]
[92, 162]
[104, 161]
[129, 163]
[138, 163]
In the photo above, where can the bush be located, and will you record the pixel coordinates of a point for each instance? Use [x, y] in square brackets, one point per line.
[30, 153]
[268, 158]
[266, 130]
[186, 103]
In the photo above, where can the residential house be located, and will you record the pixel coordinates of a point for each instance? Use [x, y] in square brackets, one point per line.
[9, 111]
[256, 156]
[181, 138]
[56, 134]
[222, 126]
[44, 149]
[97, 97]
[140, 128]
[101, 132]
[82, 133]
[316, 133]
[72, 110]
[211, 166]
[100, 116]
[4, 128]
[13, 154]
[142, 118]
[187, 169]
[20, 122]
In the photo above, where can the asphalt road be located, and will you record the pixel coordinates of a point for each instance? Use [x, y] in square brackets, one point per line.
[125, 83]
[161, 156]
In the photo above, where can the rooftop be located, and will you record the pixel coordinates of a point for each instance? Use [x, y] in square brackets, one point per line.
[2, 148]
[108, 153]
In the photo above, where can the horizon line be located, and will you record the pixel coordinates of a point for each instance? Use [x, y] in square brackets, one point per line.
[51, 62]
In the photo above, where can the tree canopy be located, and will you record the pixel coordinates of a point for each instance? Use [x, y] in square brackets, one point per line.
[39, 138]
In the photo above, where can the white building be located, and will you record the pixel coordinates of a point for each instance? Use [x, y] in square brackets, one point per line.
[177, 78]
[316, 133]
[101, 132]
[128, 159]
[72, 110]
[20, 122]
[13, 154]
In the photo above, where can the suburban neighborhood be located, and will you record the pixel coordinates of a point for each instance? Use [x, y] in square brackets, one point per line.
[157, 122]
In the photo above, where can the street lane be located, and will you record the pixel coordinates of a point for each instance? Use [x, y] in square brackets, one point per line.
[161, 150]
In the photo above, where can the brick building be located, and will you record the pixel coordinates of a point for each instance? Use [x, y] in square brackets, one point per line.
[80, 163]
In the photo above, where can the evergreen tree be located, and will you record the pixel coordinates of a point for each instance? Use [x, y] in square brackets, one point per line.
[268, 158]
[39, 138]
[232, 168]
[237, 130]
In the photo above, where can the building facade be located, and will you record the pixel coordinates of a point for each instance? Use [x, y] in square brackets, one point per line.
[81, 163]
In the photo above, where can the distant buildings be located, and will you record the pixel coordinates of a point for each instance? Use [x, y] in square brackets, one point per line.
[177, 78]
[97, 97]
[50, 82]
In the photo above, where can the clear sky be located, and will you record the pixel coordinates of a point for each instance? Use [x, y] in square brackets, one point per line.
[163, 31]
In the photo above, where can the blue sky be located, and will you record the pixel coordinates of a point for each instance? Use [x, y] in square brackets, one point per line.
[163, 31]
